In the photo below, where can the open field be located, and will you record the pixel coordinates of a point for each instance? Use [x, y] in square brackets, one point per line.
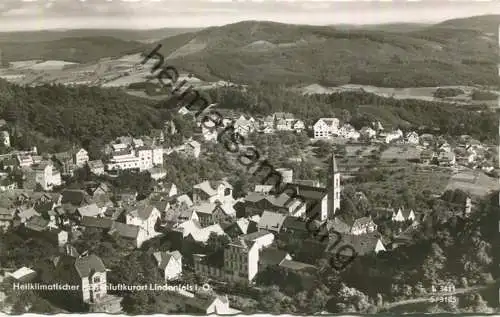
[405, 152]
[476, 183]
[419, 93]
[415, 178]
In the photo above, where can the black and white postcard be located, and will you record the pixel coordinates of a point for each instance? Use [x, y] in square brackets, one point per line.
[197, 157]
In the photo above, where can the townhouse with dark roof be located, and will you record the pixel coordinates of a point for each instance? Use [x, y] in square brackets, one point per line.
[135, 234]
[88, 272]
[211, 213]
[272, 257]
[75, 197]
[39, 227]
[254, 203]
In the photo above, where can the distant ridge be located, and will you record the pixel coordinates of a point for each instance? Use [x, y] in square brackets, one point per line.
[453, 52]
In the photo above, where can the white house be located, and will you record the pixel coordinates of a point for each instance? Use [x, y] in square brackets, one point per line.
[468, 206]
[25, 160]
[92, 274]
[47, 175]
[170, 263]
[242, 255]
[145, 155]
[326, 127]
[394, 135]
[145, 217]
[215, 305]
[209, 134]
[403, 215]
[299, 126]
[81, 157]
[96, 167]
[266, 130]
[347, 131]
[412, 138]
[212, 191]
[241, 258]
[377, 126]
[202, 235]
[5, 138]
[283, 121]
[368, 133]
[363, 225]
[244, 126]
[142, 158]
[268, 122]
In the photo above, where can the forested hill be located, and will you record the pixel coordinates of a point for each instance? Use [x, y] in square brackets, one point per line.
[54, 117]
[83, 115]
[70, 49]
[361, 108]
[445, 54]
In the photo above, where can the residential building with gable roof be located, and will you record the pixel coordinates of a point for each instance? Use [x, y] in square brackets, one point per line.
[211, 213]
[145, 216]
[212, 191]
[363, 244]
[363, 225]
[239, 261]
[272, 257]
[91, 210]
[271, 221]
[81, 157]
[130, 232]
[47, 176]
[170, 263]
[203, 234]
[403, 215]
[256, 203]
[412, 138]
[96, 167]
[326, 127]
[87, 271]
[208, 305]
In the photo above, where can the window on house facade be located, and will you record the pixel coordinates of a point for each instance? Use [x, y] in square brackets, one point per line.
[97, 279]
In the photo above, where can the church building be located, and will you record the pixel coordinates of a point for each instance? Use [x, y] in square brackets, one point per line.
[321, 202]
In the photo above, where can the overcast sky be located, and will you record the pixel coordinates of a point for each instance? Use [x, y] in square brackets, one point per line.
[147, 14]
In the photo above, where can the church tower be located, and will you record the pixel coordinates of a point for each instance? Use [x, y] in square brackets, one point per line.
[333, 187]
